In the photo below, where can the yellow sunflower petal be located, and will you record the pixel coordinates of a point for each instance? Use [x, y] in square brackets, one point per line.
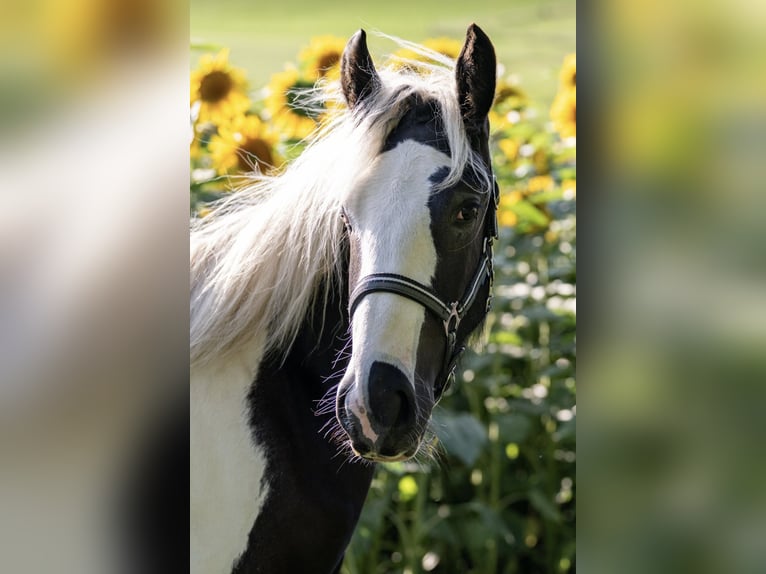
[540, 183]
[446, 46]
[321, 58]
[568, 74]
[564, 113]
[404, 57]
[509, 95]
[570, 188]
[285, 112]
[510, 148]
[506, 216]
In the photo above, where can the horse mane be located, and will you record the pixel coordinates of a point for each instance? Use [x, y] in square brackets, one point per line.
[270, 252]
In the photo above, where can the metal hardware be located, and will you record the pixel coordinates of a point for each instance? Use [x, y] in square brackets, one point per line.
[449, 327]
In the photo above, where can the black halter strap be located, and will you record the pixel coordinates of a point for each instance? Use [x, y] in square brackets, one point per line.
[449, 313]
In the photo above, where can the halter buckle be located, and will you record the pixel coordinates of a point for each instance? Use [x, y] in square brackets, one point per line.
[454, 313]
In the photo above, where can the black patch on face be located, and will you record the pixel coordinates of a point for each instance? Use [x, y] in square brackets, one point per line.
[438, 176]
[422, 123]
[458, 241]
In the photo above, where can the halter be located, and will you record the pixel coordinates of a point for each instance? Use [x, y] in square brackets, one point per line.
[451, 314]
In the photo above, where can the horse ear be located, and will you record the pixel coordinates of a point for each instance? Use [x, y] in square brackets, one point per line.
[358, 77]
[475, 74]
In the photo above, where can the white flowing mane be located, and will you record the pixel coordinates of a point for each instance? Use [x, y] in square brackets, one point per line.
[270, 252]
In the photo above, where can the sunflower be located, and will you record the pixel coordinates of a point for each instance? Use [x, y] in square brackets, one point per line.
[541, 161]
[219, 88]
[564, 113]
[509, 100]
[506, 216]
[569, 186]
[509, 95]
[444, 46]
[510, 149]
[283, 105]
[195, 149]
[321, 58]
[246, 144]
[540, 183]
[568, 74]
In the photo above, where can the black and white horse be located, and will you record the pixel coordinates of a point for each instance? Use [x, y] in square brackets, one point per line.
[328, 307]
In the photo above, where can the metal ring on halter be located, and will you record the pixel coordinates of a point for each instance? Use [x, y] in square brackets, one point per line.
[454, 313]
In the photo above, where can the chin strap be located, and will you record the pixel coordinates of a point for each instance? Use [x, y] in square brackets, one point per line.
[451, 314]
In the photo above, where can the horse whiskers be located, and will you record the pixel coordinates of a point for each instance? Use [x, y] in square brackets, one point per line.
[349, 456]
[344, 353]
[328, 397]
[328, 427]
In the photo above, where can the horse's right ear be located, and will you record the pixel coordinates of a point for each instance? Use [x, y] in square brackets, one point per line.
[358, 77]
[475, 73]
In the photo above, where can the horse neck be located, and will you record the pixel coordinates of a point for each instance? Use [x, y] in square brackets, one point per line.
[309, 481]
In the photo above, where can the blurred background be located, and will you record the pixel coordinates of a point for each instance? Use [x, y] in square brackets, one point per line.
[531, 35]
[674, 336]
[94, 125]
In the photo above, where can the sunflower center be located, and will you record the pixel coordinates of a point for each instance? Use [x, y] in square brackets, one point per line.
[294, 95]
[327, 61]
[254, 152]
[507, 92]
[215, 86]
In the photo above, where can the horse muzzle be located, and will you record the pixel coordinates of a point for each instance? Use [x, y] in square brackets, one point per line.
[382, 423]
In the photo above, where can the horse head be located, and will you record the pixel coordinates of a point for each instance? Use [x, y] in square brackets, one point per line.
[420, 222]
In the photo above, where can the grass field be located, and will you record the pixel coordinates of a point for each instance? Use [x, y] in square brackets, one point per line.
[531, 36]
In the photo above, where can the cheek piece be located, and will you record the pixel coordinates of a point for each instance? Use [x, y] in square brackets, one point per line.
[449, 313]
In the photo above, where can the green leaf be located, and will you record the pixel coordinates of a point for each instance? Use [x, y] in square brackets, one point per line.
[506, 338]
[477, 524]
[544, 506]
[546, 196]
[525, 406]
[462, 435]
[565, 431]
[514, 427]
[528, 212]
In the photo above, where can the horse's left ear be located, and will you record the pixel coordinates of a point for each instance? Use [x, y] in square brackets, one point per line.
[475, 74]
[358, 77]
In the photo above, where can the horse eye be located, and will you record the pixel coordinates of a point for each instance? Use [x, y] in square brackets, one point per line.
[344, 218]
[468, 213]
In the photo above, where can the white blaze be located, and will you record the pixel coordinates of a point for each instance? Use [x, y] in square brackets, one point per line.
[392, 222]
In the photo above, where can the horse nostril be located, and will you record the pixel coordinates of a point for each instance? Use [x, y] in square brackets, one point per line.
[403, 417]
[391, 397]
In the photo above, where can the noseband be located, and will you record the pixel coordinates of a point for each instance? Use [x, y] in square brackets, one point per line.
[449, 313]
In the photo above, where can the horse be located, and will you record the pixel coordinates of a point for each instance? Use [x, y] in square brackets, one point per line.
[329, 306]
